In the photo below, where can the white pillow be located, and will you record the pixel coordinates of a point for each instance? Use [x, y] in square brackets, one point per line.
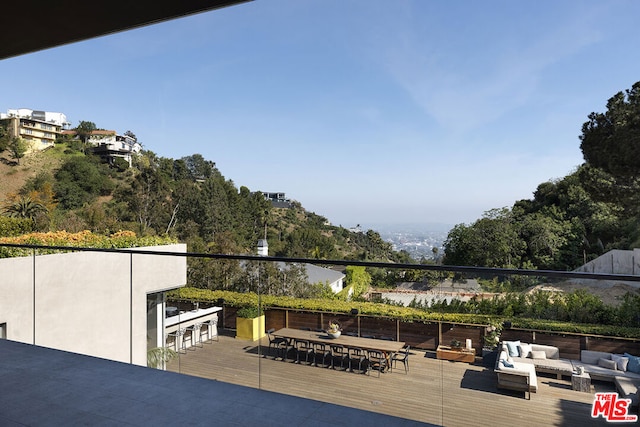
[525, 350]
[607, 363]
[621, 362]
[538, 354]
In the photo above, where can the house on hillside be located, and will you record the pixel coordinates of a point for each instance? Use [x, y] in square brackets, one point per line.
[315, 274]
[333, 278]
[110, 145]
[39, 129]
[278, 200]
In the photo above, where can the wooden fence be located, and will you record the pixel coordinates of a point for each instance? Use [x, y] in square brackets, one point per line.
[429, 334]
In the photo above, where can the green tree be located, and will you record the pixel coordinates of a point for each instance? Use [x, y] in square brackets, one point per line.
[5, 137]
[84, 130]
[18, 148]
[357, 280]
[491, 241]
[80, 180]
[611, 140]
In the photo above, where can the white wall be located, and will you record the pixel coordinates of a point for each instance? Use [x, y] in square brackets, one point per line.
[614, 262]
[87, 302]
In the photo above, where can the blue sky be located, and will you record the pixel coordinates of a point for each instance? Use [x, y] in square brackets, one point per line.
[368, 111]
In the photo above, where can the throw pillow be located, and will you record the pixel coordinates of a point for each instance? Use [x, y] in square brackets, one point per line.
[525, 350]
[621, 361]
[538, 354]
[634, 363]
[507, 364]
[607, 363]
[512, 347]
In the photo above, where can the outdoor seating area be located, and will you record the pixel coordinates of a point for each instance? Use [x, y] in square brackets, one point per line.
[435, 391]
[518, 363]
[348, 353]
[191, 329]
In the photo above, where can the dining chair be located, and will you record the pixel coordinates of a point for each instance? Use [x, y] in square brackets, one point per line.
[401, 357]
[321, 351]
[339, 352]
[357, 354]
[303, 346]
[376, 360]
[274, 343]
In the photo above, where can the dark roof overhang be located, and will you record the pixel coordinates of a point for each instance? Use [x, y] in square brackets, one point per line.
[30, 26]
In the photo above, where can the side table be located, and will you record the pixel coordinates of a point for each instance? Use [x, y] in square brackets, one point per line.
[581, 382]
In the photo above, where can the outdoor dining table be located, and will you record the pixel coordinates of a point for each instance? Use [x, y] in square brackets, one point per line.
[388, 347]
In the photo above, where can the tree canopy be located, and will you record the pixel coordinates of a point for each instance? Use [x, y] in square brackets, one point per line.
[574, 219]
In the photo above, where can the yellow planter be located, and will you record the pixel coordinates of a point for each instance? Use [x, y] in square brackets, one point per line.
[250, 329]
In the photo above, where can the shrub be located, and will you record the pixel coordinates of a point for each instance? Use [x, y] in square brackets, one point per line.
[250, 312]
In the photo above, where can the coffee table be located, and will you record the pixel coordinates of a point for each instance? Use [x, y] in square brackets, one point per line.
[462, 355]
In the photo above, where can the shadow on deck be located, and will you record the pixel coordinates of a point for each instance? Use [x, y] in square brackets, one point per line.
[434, 391]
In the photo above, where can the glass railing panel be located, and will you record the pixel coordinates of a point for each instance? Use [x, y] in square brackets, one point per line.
[114, 305]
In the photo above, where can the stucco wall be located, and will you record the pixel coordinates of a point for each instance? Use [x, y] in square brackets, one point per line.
[614, 262]
[87, 302]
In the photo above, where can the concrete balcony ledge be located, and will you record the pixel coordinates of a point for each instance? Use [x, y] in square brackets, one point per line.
[42, 386]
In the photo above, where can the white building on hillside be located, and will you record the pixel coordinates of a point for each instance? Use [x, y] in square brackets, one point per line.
[39, 129]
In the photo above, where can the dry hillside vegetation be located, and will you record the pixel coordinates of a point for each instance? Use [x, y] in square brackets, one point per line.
[13, 176]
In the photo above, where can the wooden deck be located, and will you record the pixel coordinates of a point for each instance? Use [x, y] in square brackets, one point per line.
[434, 391]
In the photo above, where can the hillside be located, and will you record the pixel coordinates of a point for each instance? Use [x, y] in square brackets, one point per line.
[14, 177]
[187, 198]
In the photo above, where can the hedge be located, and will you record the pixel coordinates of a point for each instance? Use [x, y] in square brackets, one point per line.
[120, 239]
[405, 314]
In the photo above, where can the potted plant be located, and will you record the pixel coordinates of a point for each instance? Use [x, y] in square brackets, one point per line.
[492, 337]
[491, 341]
[334, 330]
[250, 323]
[158, 357]
[455, 345]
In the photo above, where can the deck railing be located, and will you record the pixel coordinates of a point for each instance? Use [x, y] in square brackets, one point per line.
[51, 300]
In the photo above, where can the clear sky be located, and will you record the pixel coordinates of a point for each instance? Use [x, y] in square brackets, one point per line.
[364, 111]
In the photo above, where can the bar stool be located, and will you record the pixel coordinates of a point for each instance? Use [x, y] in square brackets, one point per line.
[211, 329]
[196, 334]
[178, 339]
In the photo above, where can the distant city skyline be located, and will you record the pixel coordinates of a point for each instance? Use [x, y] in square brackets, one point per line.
[366, 112]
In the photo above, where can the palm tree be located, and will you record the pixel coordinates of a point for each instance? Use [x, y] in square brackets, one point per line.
[25, 207]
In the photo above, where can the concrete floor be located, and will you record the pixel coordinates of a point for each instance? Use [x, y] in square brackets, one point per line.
[45, 387]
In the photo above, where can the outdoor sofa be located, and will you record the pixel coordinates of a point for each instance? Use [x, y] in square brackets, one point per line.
[515, 375]
[621, 369]
[544, 358]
